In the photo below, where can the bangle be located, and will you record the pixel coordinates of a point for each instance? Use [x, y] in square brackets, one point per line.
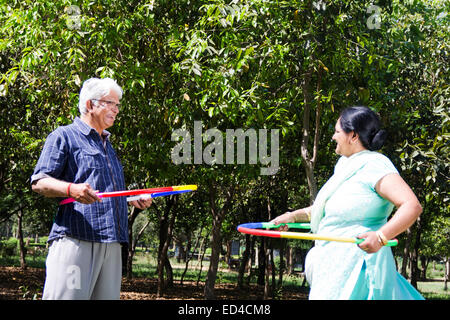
[292, 214]
[382, 238]
[308, 213]
[68, 189]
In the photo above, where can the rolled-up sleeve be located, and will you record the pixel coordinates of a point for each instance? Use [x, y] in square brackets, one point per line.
[377, 169]
[53, 158]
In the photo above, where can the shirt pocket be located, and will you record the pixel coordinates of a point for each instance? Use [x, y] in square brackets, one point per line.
[92, 159]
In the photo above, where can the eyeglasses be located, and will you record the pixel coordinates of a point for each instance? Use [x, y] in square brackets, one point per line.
[108, 103]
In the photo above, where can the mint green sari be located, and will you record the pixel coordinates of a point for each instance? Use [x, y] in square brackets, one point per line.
[348, 205]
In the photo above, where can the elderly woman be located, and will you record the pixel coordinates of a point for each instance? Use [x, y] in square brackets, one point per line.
[357, 201]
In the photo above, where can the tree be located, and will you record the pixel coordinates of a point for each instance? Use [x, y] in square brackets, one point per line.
[287, 65]
[419, 112]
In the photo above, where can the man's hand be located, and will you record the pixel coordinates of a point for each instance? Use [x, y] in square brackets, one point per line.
[83, 193]
[142, 203]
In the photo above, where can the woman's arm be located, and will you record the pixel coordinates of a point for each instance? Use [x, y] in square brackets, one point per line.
[392, 187]
[299, 215]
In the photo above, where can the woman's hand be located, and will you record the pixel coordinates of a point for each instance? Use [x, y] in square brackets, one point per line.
[371, 243]
[299, 215]
[287, 217]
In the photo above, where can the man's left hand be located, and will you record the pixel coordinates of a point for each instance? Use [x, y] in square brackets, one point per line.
[142, 204]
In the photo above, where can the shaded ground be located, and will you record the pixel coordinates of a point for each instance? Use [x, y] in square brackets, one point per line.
[16, 284]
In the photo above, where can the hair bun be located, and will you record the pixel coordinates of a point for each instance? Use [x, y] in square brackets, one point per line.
[378, 140]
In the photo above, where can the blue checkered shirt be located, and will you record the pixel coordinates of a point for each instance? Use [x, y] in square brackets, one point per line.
[76, 153]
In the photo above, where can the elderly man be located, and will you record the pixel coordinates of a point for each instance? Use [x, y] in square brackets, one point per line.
[84, 259]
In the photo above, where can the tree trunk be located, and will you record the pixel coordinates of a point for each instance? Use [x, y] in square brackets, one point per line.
[424, 264]
[270, 242]
[415, 256]
[414, 268]
[447, 273]
[244, 261]
[202, 249]
[261, 263]
[266, 269]
[131, 242]
[251, 261]
[168, 283]
[282, 265]
[136, 240]
[228, 255]
[23, 264]
[187, 251]
[405, 260]
[130, 255]
[165, 235]
[204, 246]
[180, 252]
[216, 239]
[273, 270]
[189, 256]
[308, 160]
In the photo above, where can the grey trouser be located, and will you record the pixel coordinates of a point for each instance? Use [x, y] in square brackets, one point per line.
[83, 270]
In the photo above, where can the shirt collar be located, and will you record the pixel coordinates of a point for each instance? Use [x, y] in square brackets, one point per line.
[87, 129]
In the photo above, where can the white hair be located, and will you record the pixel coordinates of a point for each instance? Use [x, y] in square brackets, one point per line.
[95, 88]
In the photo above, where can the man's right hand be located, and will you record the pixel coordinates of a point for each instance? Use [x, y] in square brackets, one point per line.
[83, 193]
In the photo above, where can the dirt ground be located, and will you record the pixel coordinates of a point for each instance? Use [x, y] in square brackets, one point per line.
[16, 284]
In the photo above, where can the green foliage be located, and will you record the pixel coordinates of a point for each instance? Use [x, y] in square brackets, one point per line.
[229, 64]
[8, 247]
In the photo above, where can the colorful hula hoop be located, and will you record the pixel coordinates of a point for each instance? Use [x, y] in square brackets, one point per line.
[256, 230]
[154, 195]
[154, 192]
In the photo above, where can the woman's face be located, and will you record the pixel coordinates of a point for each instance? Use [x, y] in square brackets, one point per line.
[343, 140]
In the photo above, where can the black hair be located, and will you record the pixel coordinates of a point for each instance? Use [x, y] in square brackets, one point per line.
[366, 124]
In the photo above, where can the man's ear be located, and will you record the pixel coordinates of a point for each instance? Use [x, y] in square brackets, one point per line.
[89, 105]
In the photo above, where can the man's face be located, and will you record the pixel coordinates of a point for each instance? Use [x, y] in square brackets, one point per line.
[105, 110]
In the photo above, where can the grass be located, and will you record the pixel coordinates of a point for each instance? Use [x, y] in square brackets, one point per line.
[37, 261]
[144, 265]
[433, 290]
